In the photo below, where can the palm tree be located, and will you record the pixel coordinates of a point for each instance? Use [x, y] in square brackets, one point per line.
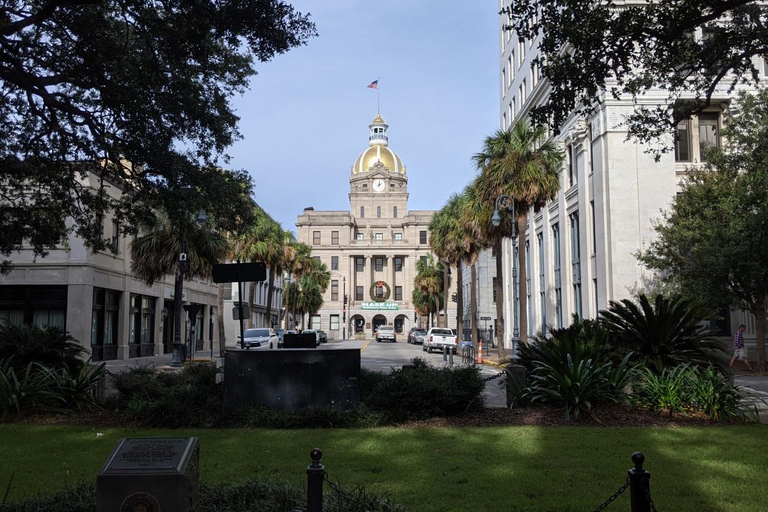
[429, 281]
[449, 241]
[312, 285]
[297, 260]
[473, 213]
[519, 162]
[262, 243]
[155, 254]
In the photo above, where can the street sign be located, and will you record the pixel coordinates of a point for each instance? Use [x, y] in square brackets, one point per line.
[485, 318]
[239, 272]
[236, 312]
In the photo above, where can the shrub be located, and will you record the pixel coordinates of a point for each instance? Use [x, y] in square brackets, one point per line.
[23, 390]
[578, 385]
[422, 391]
[664, 334]
[52, 347]
[250, 495]
[583, 339]
[260, 417]
[716, 397]
[668, 391]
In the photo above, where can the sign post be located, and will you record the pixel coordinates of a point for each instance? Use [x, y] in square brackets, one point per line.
[240, 273]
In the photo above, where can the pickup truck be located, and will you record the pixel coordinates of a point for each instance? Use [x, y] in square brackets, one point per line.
[439, 337]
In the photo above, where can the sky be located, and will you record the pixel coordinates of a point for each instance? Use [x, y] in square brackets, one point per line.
[305, 118]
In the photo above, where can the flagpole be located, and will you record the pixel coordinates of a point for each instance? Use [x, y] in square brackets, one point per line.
[378, 97]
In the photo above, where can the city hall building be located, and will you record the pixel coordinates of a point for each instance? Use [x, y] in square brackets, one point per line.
[371, 250]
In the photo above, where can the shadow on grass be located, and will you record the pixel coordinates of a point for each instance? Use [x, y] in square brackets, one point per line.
[719, 469]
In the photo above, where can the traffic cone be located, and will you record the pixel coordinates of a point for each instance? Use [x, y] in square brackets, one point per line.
[480, 353]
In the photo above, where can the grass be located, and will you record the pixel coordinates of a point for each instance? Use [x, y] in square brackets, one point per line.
[439, 469]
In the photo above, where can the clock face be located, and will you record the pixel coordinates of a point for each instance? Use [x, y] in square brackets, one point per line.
[378, 185]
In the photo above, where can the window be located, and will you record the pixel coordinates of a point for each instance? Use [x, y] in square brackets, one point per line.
[378, 212]
[394, 212]
[510, 60]
[334, 238]
[558, 283]
[334, 263]
[398, 293]
[576, 263]
[359, 236]
[379, 263]
[106, 305]
[504, 120]
[542, 288]
[314, 322]
[398, 264]
[359, 264]
[334, 323]
[503, 82]
[379, 236]
[534, 74]
[398, 237]
[115, 237]
[528, 273]
[423, 259]
[571, 167]
[142, 329]
[594, 232]
[315, 238]
[362, 212]
[695, 136]
[520, 52]
[494, 290]
[227, 291]
[335, 289]
[358, 293]
[422, 237]
[594, 296]
[523, 92]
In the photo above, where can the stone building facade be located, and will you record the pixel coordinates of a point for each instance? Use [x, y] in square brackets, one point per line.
[371, 250]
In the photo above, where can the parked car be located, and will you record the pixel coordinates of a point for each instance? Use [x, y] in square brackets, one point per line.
[386, 333]
[323, 336]
[261, 338]
[312, 331]
[416, 335]
[439, 337]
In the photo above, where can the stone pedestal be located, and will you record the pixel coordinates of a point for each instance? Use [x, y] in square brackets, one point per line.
[151, 474]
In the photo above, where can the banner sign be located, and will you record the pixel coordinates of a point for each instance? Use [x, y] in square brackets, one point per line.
[387, 306]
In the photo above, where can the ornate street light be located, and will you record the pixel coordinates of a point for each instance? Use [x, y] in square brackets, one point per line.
[508, 203]
[202, 220]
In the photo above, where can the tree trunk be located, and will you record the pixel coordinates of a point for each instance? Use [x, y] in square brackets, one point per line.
[759, 311]
[459, 302]
[473, 305]
[499, 301]
[178, 310]
[522, 285]
[220, 319]
[446, 283]
[251, 302]
[286, 300]
[270, 291]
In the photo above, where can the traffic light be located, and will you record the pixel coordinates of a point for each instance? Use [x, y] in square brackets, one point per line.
[454, 298]
[345, 300]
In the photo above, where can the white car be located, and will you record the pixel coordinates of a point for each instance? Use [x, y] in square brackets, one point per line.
[260, 338]
[439, 338]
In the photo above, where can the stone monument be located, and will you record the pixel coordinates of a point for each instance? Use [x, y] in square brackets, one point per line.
[150, 474]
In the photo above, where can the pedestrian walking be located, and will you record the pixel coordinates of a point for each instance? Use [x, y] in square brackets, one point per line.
[739, 350]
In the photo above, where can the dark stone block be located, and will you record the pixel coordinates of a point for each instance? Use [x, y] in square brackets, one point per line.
[151, 474]
[299, 341]
[292, 379]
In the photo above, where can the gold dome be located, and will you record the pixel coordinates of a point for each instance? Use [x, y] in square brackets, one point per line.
[379, 119]
[379, 153]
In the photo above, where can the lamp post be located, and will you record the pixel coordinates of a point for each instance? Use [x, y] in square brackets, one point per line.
[202, 219]
[508, 203]
[344, 308]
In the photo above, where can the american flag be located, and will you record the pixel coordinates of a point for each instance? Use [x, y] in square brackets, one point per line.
[374, 85]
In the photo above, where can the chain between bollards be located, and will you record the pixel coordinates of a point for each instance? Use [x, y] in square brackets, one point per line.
[315, 477]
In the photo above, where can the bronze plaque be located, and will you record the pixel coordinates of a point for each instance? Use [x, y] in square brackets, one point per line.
[154, 454]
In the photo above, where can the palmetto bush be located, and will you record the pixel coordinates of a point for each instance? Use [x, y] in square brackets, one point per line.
[52, 347]
[670, 391]
[579, 385]
[583, 339]
[664, 333]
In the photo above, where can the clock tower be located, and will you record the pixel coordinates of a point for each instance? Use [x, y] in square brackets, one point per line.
[378, 185]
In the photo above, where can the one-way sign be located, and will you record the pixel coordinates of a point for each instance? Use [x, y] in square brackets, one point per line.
[239, 272]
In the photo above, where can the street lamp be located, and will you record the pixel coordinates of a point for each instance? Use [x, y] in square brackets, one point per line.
[344, 309]
[507, 202]
[202, 220]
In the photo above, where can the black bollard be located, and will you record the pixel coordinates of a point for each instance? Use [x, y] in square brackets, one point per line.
[639, 485]
[315, 476]
[445, 353]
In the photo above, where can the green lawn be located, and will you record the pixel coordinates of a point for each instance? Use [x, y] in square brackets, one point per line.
[441, 469]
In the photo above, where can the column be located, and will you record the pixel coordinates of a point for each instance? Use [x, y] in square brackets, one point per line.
[160, 323]
[391, 263]
[206, 326]
[369, 271]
